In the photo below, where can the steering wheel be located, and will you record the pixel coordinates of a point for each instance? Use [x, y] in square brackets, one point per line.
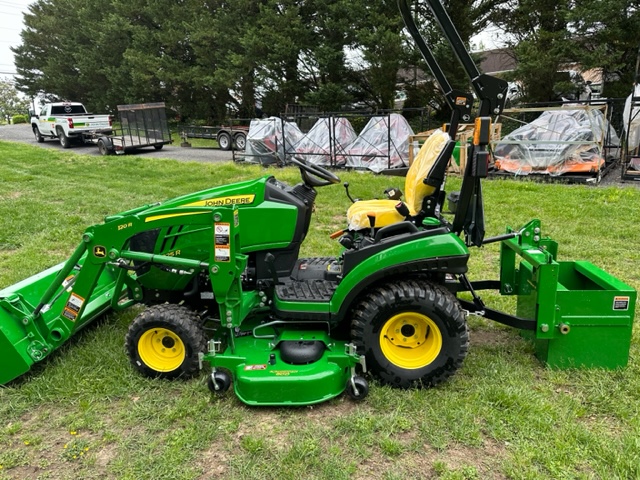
[314, 175]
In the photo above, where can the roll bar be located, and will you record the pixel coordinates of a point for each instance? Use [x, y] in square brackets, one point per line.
[490, 91]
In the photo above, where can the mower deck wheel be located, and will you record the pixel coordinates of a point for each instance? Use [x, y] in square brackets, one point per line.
[357, 388]
[219, 382]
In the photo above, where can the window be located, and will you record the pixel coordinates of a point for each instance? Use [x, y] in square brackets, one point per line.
[67, 110]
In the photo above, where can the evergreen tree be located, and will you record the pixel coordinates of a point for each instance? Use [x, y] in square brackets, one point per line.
[606, 37]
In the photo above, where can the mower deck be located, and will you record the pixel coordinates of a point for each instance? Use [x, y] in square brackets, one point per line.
[294, 367]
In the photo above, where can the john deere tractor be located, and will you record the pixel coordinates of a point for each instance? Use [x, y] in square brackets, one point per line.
[226, 291]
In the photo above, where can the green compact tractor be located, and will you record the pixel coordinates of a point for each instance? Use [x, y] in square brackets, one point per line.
[224, 287]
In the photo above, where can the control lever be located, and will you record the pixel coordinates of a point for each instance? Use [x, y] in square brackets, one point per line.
[402, 209]
[346, 187]
[372, 223]
[269, 259]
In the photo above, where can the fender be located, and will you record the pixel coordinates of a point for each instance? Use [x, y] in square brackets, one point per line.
[447, 254]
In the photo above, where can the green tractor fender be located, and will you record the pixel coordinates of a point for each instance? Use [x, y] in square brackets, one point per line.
[431, 252]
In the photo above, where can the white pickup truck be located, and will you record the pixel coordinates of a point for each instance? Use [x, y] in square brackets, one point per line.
[67, 121]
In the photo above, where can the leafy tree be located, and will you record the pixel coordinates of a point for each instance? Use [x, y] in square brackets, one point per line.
[606, 36]
[10, 102]
[541, 42]
[205, 58]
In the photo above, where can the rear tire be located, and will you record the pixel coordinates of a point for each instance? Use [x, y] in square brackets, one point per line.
[37, 134]
[412, 333]
[104, 146]
[164, 342]
[65, 141]
[224, 141]
[241, 141]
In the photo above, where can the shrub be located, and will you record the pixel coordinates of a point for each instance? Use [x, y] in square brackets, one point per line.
[16, 119]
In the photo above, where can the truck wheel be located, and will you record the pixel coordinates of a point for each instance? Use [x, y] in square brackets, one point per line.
[158, 147]
[412, 333]
[224, 141]
[241, 141]
[37, 134]
[64, 140]
[164, 342]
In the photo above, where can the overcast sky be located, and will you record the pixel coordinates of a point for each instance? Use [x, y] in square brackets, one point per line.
[10, 27]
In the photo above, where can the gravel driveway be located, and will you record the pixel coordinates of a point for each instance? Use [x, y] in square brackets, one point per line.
[22, 133]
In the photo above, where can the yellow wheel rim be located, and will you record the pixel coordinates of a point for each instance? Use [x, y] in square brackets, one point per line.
[410, 340]
[161, 349]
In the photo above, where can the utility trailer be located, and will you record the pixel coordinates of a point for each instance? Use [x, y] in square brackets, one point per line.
[228, 136]
[141, 125]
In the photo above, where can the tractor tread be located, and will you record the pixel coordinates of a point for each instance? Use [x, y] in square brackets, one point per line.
[403, 293]
[307, 290]
[184, 322]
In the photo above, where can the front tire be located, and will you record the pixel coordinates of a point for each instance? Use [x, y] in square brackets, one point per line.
[37, 134]
[164, 342]
[412, 333]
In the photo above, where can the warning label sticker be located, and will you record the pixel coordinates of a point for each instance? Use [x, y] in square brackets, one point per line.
[621, 303]
[221, 234]
[73, 306]
[222, 229]
[223, 254]
[255, 367]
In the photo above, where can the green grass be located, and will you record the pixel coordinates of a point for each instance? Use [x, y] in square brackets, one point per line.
[84, 412]
[195, 142]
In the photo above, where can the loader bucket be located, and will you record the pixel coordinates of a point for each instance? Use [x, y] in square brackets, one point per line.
[37, 314]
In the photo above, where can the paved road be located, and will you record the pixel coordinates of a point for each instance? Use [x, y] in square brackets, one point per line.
[22, 133]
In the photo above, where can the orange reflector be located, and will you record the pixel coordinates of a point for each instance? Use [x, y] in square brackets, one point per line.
[481, 131]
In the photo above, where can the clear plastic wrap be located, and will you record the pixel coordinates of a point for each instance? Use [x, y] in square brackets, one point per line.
[266, 143]
[556, 143]
[382, 144]
[631, 121]
[327, 133]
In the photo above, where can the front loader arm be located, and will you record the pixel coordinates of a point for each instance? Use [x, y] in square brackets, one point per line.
[40, 313]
